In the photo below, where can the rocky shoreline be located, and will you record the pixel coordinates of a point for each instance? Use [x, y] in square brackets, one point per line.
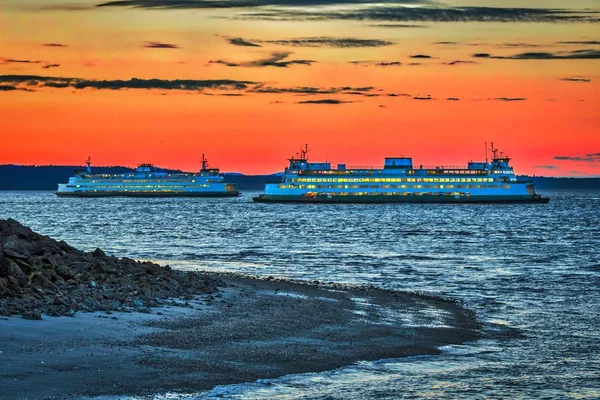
[39, 275]
[231, 328]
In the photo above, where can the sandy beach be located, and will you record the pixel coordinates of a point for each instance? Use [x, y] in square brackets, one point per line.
[252, 329]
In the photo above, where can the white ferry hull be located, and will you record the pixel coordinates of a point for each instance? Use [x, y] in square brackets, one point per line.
[400, 182]
[149, 194]
[400, 199]
[147, 181]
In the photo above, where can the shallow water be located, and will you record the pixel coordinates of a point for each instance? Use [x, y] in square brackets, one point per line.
[531, 272]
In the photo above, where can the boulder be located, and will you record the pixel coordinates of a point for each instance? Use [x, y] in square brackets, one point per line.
[34, 314]
[16, 248]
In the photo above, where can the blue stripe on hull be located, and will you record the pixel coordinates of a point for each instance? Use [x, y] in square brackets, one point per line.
[148, 194]
[400, 199]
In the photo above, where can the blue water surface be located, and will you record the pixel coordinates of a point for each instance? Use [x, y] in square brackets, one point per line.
[530, 272]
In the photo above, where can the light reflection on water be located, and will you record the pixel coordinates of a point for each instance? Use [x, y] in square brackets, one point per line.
[531, 272]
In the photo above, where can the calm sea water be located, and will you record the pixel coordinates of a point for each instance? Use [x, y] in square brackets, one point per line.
[531, 272]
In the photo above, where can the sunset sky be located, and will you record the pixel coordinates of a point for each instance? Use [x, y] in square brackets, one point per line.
[248, 82]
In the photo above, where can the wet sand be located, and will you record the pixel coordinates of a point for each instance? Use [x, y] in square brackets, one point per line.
[252, 329]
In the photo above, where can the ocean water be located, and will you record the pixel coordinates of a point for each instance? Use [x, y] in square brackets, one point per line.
[531, 273]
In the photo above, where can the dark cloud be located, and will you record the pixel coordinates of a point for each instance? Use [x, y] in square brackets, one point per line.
[47, 66]
[589, 157]
[324, 101]
[365, 10]
[17, 61]
[54, 45]
[584, 54]
[388, 64]
[277, 59]
[453, 99]
[517, 45]
[224, 62]
[193, 4]
[546, 166]
[420, 56]
[584, 42]
[10, 88]
[134, 83]
[330, 42]
[309, 90]
[457, 62]
[7, 88]
[426, 14]
[446, 43]
[28, 82]
[391, 26]
[508, 99]
[428, 97]
[242, 42]
[576, 79]
[158, 45]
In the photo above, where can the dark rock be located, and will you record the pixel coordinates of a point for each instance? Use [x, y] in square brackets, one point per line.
[98, 253]
[33, 314]
[40, 275]
[15, 248]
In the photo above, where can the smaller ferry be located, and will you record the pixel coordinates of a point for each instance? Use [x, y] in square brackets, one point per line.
[148, 181]
[400, 181]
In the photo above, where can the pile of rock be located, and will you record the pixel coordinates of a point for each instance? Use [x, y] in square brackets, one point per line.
[40, 275]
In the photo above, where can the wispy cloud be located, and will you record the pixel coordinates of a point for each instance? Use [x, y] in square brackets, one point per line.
[11, 88]
[576, 79]
[583, 42]
[420, 56]
[546, 166]
[589, 157]
[325, 101]
[344, 42]
[241, 42]
[54, 45]
[277, 59]
[18, 61]
[310, 90]
[426, 14]
[457, 62]
[36, 81]
[508, 98]
[159, 45]
[584, 54]
[399, 26]
[47, 66]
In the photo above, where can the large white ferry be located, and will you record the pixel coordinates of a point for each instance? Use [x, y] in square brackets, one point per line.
[147, 181]
[400, 181]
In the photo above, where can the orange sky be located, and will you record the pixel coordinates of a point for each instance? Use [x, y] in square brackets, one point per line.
[542, 112]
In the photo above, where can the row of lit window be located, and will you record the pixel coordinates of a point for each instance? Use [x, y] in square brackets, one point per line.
[391, 179]
[395, 194]
[115, 180]
[284, 186]
[140, 187]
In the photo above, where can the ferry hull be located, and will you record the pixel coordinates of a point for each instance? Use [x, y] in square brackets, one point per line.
[148, 194]
[400, 199]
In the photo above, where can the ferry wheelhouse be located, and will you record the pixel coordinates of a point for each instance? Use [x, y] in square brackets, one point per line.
[148, 181]
[400, 181]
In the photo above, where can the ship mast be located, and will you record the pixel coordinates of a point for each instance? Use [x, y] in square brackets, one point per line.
[304, 152]
[204, 163]
[88, 162]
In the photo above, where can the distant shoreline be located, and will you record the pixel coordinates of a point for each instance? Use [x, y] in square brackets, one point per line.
[27, 177]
